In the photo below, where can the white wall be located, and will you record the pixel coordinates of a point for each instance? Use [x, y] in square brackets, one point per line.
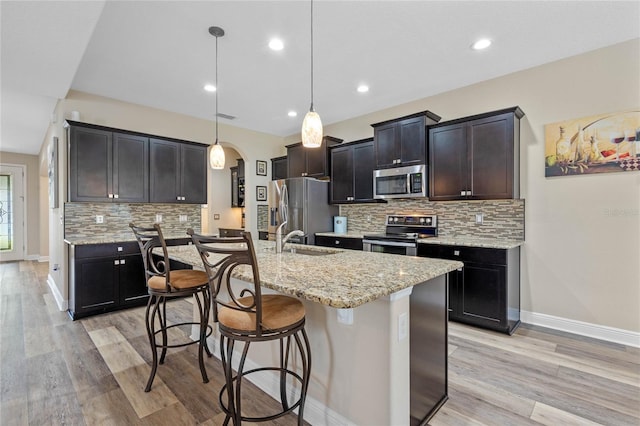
[581, 260]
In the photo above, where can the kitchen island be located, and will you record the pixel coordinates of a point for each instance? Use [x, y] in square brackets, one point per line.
[377, 324]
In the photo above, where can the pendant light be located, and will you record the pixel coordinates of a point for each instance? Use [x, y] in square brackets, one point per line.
[216, 155]
[312, 125]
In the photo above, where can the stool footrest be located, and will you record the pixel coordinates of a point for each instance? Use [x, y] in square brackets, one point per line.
[180, 345]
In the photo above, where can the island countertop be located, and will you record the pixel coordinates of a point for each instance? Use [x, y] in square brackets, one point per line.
[340, 279]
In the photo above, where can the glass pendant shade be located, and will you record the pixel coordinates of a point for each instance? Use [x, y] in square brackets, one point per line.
[312, 130]
[216, 157]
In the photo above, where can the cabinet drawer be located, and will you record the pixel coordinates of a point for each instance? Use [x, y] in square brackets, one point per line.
[464, 254]
[102, 250]
[341, 242]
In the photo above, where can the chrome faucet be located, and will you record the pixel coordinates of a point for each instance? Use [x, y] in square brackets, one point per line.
[281, 241]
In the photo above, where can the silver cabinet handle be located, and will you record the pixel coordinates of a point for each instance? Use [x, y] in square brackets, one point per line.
[119, 248]
[122, 261]
[456, 252]
[116, 262]
[115, 195]
[110, 195]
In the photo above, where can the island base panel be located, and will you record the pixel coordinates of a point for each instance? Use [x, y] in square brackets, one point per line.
[428, 363]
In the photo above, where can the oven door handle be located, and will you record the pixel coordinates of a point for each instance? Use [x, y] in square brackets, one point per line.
[388, 243]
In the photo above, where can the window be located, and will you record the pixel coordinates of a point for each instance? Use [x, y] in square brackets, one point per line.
[6, 230]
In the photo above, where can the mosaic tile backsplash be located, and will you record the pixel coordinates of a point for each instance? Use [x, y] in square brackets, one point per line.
[502, 218]
[80, 219]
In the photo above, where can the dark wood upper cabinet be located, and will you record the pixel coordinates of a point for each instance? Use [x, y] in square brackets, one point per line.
[279, 167]
[237, 184]
[106, 166]
[178, 172]
[113, 165]
[402, 141]
[310, 162]
[476, 157]
[352, 168]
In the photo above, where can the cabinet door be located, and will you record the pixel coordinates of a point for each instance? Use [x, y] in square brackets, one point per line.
[412, 141]
[492, 153]
[341, 175]
[234, 186]
[96, 284]
[363, 166]
[90, 165]
[193, 174]
[448, 162]
[132, 284]
[297, 161]
[481, 294]
[164, 169]
[317, 160]
[385, 145]
[130, 168]
[279, 168]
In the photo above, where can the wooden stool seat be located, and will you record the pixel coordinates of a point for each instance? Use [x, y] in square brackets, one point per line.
[278, 313]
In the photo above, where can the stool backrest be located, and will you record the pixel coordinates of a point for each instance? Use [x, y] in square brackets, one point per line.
[220, 256]
[150, 239]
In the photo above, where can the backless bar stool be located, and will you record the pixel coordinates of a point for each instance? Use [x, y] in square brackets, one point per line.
[251, 317]
[164, 284]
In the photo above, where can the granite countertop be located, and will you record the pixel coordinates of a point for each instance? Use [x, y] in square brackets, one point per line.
[468, 241]
[341, 279]
[495, 243]
[116, 238]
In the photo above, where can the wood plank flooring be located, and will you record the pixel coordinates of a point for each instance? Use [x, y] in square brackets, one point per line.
[55, 371]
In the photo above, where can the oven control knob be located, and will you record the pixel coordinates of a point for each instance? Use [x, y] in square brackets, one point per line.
[422, 220]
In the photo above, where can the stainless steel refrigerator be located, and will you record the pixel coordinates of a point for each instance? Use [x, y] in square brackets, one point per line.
[304, 203]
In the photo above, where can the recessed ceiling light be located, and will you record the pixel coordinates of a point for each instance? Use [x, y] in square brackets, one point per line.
[292, 114]
[483, 43]
[276, 44]
[209, 87]
[363, 88]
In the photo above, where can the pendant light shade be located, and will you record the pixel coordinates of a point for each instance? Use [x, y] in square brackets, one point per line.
[312, 130]
[216, 155]
[311, 125]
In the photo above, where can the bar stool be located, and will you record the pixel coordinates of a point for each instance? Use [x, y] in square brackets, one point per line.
[251, 317]
[164, 284]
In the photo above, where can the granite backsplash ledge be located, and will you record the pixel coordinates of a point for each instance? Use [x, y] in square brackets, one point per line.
[503, 219]
[80, 219]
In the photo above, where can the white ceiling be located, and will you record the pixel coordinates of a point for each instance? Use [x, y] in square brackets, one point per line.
[160, 54]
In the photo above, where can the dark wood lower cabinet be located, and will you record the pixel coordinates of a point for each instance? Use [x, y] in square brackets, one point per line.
[107, 277]
[486, 292]
[340, 242]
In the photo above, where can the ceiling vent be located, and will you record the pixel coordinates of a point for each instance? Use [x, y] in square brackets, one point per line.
[226, 116]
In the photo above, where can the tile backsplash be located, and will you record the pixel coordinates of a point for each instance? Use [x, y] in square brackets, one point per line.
[501, 218]
[80, 219]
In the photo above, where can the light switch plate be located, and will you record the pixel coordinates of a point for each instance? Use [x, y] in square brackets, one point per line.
[158, 218]
[183, 218]
[99, 218]
[402, 326]
[479, 218]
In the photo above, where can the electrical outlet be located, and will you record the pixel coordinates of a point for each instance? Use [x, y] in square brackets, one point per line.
[345, 316]
[216, 217]
[158, 218]
[183, 218]
[479, 218]
[99, 218]
[402, 326]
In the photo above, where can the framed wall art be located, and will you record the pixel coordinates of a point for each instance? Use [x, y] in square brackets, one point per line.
[602, 143]
[261, 168]
[261, 193]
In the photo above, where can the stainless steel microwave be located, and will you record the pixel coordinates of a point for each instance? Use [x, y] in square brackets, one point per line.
[400, 182]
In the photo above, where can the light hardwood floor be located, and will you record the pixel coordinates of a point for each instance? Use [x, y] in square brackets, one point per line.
[55, 371]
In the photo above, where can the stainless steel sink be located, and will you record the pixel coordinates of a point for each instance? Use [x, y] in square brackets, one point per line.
[306, 251]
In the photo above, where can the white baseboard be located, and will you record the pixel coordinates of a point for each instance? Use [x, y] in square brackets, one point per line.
[63, 305]
[43, 258]
[315, 412]
[31, 257]
[596, 331]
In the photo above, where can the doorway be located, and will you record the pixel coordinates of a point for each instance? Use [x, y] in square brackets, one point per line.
[11, 212]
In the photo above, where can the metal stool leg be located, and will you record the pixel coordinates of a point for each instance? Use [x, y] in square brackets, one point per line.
[152, 305]
[305, 354]
[202, 339]
[162, 315]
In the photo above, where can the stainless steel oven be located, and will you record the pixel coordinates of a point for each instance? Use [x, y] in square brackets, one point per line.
[402, 233]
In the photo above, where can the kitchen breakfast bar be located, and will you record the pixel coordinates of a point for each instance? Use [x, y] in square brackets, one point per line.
[377, 324]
